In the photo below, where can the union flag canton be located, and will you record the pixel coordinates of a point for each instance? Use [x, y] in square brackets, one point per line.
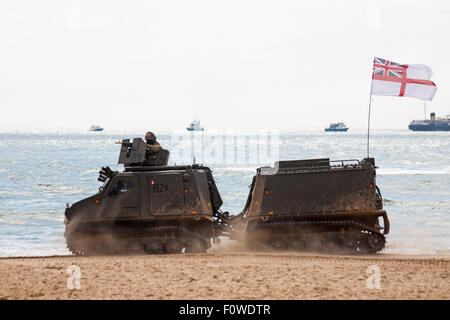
[403, 80]
[382, 67]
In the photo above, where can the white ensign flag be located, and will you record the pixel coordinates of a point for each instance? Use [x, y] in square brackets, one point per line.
[402, 80]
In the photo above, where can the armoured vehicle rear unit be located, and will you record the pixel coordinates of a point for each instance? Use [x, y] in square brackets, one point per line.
[314, 204]
[149, 207]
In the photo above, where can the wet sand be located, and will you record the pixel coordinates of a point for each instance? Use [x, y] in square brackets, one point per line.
[227, 275]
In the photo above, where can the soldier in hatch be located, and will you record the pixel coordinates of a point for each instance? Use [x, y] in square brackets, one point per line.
[153, 146]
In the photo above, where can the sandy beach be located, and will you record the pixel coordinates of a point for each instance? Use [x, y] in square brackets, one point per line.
[227, 275]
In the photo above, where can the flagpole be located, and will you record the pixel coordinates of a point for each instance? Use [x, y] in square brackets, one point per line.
[424, 110]
[368, 124]
[368, 117]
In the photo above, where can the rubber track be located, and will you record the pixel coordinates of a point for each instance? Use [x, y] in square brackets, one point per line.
[344, 223]
[142, 231]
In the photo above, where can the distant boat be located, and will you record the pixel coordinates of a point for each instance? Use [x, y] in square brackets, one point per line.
[195, 126]
[337, 127]
[434, 124]
[95, 128]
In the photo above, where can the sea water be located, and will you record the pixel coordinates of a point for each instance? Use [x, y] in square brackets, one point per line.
[41, 172]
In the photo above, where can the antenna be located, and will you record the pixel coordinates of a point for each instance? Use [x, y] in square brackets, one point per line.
[203, 147]
[368, 124]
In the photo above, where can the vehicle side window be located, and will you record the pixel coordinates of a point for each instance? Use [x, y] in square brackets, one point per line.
[122, 186]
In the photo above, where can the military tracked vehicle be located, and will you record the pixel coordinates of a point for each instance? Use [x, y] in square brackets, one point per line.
[151, 207]
[148, 208]
[314, 205]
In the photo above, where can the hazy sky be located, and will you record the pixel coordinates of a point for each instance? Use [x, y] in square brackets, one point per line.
[234, 63]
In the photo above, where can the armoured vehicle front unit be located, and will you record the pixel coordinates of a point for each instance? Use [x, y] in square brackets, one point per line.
[149, 207]
[314, 204]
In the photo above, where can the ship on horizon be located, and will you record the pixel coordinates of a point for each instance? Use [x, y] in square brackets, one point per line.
[337, 127]
[95, 128]
[433, 124]
[195, 126]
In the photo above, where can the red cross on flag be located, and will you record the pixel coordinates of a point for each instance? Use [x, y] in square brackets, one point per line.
[403, 80]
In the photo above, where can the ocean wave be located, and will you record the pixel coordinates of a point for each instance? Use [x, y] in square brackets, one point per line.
[397, 171]
[17, 193]
[90, 171]
[247, 169]
[31, 218]
[414, 247]
[61, 189]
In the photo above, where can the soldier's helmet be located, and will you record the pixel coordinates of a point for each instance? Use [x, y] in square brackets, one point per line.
[149, 136]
